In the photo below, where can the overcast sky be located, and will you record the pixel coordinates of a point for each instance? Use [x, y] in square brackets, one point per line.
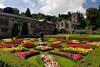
[51, 7]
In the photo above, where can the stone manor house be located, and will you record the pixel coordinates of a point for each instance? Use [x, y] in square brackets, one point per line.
[69, 25]
[34, 26]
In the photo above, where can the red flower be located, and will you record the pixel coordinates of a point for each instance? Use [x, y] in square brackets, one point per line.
[55, 45]
[19, 39]
[7, 45]
[64, 41]
[28, 45]
[79, 45]
[67, 54]
[24, 54]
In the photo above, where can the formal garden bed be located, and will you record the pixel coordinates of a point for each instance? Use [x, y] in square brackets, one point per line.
[57, 51]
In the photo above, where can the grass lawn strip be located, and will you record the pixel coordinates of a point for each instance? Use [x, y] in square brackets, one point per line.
[36, 60]
[64, 62]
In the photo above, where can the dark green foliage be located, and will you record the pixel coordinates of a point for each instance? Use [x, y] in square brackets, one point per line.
[38, 16]
[93, 17]
[24, 30]
[15, 29]
[28, 13]
[15, 11]
[10, 60]
[11, 10]
[82, 21]
[91, 14]
[22, 14]
[3, 64]
[8, 10]
[98, 18]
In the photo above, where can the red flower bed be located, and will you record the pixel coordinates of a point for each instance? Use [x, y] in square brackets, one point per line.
[67, 54]
[28, 45]
[80, 45]
[64, 41]
[25, 54]
[19, 39]
[7, 45]
[72, 44]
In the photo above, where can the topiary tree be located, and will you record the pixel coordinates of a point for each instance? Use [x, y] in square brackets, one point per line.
[15, 30]
[24, 30]
[28, 13]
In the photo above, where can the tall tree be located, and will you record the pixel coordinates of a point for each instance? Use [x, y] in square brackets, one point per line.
[28, 13]
[24, 30]
[91, 14]
[98, 18]
[15, 29]
[82, 21]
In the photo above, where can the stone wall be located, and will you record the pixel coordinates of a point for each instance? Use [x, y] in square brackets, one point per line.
[34, 26]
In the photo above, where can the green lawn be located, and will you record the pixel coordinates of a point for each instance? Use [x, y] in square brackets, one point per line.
[36, 60]
[64, 62]
[64, 45]
[91, 60]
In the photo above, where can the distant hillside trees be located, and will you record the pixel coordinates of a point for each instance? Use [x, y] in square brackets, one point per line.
[93, 17]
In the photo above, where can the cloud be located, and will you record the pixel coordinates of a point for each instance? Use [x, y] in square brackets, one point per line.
[27, 1]
[93, 0]
[55, 7]
[51, 7]
[1, 4]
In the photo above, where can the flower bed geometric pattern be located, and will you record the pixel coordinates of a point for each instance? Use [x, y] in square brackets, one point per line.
[43, 48]
[77, 50]
[25, 54]
[67, 54]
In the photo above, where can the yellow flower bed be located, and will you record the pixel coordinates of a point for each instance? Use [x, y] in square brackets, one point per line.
[7, 40]
[12, 49]
[78, 50]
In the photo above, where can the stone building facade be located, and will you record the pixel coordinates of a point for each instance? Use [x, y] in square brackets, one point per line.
[69, 25]
[34, 26]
